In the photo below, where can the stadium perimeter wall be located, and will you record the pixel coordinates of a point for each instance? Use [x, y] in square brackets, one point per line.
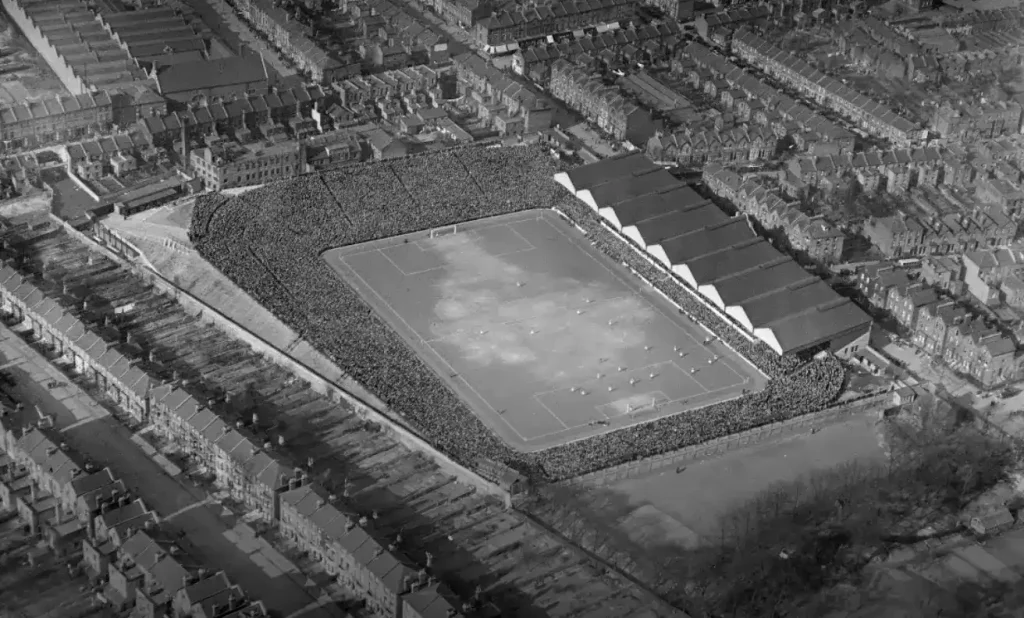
[319, 384]
[714, 448]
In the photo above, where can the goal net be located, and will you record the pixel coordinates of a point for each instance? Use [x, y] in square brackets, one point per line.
[448, 230]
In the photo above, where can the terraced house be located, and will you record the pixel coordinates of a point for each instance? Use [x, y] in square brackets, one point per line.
[387, 85]
[934, 324]
[922, 232]
[293, 39]
[39, 477]
[754, 101]
[943, 329]
[502, 31]
[56, 495]
[982, 353]
[906, 303]
[828, 91]
[496, 95]
[238, 462]
[240, 455]
[689, 147]
[265, 113]
[650, 41]
[347, 548]
[118, 376]
[817, 238]
[54, 119]
[603, 105]
[969, 123]
[984, 271]
[876, 280]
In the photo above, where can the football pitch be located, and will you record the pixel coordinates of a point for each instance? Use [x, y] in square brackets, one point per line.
[544, 337]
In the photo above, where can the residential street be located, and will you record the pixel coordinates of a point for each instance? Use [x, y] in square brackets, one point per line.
[213, 536]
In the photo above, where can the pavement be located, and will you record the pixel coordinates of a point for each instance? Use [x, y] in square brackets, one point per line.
[212, 535]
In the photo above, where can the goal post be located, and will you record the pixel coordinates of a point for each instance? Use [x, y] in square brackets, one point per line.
[447, 230]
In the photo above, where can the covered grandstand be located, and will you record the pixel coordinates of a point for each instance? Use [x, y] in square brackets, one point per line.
[761, 290]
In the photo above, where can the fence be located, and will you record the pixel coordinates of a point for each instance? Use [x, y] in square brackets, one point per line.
[714, 448]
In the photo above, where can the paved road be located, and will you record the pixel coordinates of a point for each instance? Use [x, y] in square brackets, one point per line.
[212, 535]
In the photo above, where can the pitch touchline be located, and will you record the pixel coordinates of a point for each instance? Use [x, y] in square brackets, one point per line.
[555, 416]
[653, 305]
[394, 241]
[641, 422]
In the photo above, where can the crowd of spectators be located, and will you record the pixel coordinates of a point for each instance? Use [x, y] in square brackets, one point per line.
[269, 242]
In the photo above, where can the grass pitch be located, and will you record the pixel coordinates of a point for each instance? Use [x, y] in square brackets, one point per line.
[545, 338]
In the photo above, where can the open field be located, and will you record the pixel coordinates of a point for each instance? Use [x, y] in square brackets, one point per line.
[699, 495]
[473, 540]
[544, 337]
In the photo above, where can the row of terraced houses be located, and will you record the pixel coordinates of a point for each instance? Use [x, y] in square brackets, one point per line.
[240, 460]
[812, 235]
[944, 329]
[72, 505]
[871, 115]
[502, 31]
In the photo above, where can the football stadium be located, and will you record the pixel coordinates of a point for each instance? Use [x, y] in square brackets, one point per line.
[558, 322]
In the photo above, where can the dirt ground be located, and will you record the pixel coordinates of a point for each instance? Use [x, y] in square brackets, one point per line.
[697, 497]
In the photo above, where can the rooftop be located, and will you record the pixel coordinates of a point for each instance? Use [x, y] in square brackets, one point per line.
[206, 74]
[770, 293]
